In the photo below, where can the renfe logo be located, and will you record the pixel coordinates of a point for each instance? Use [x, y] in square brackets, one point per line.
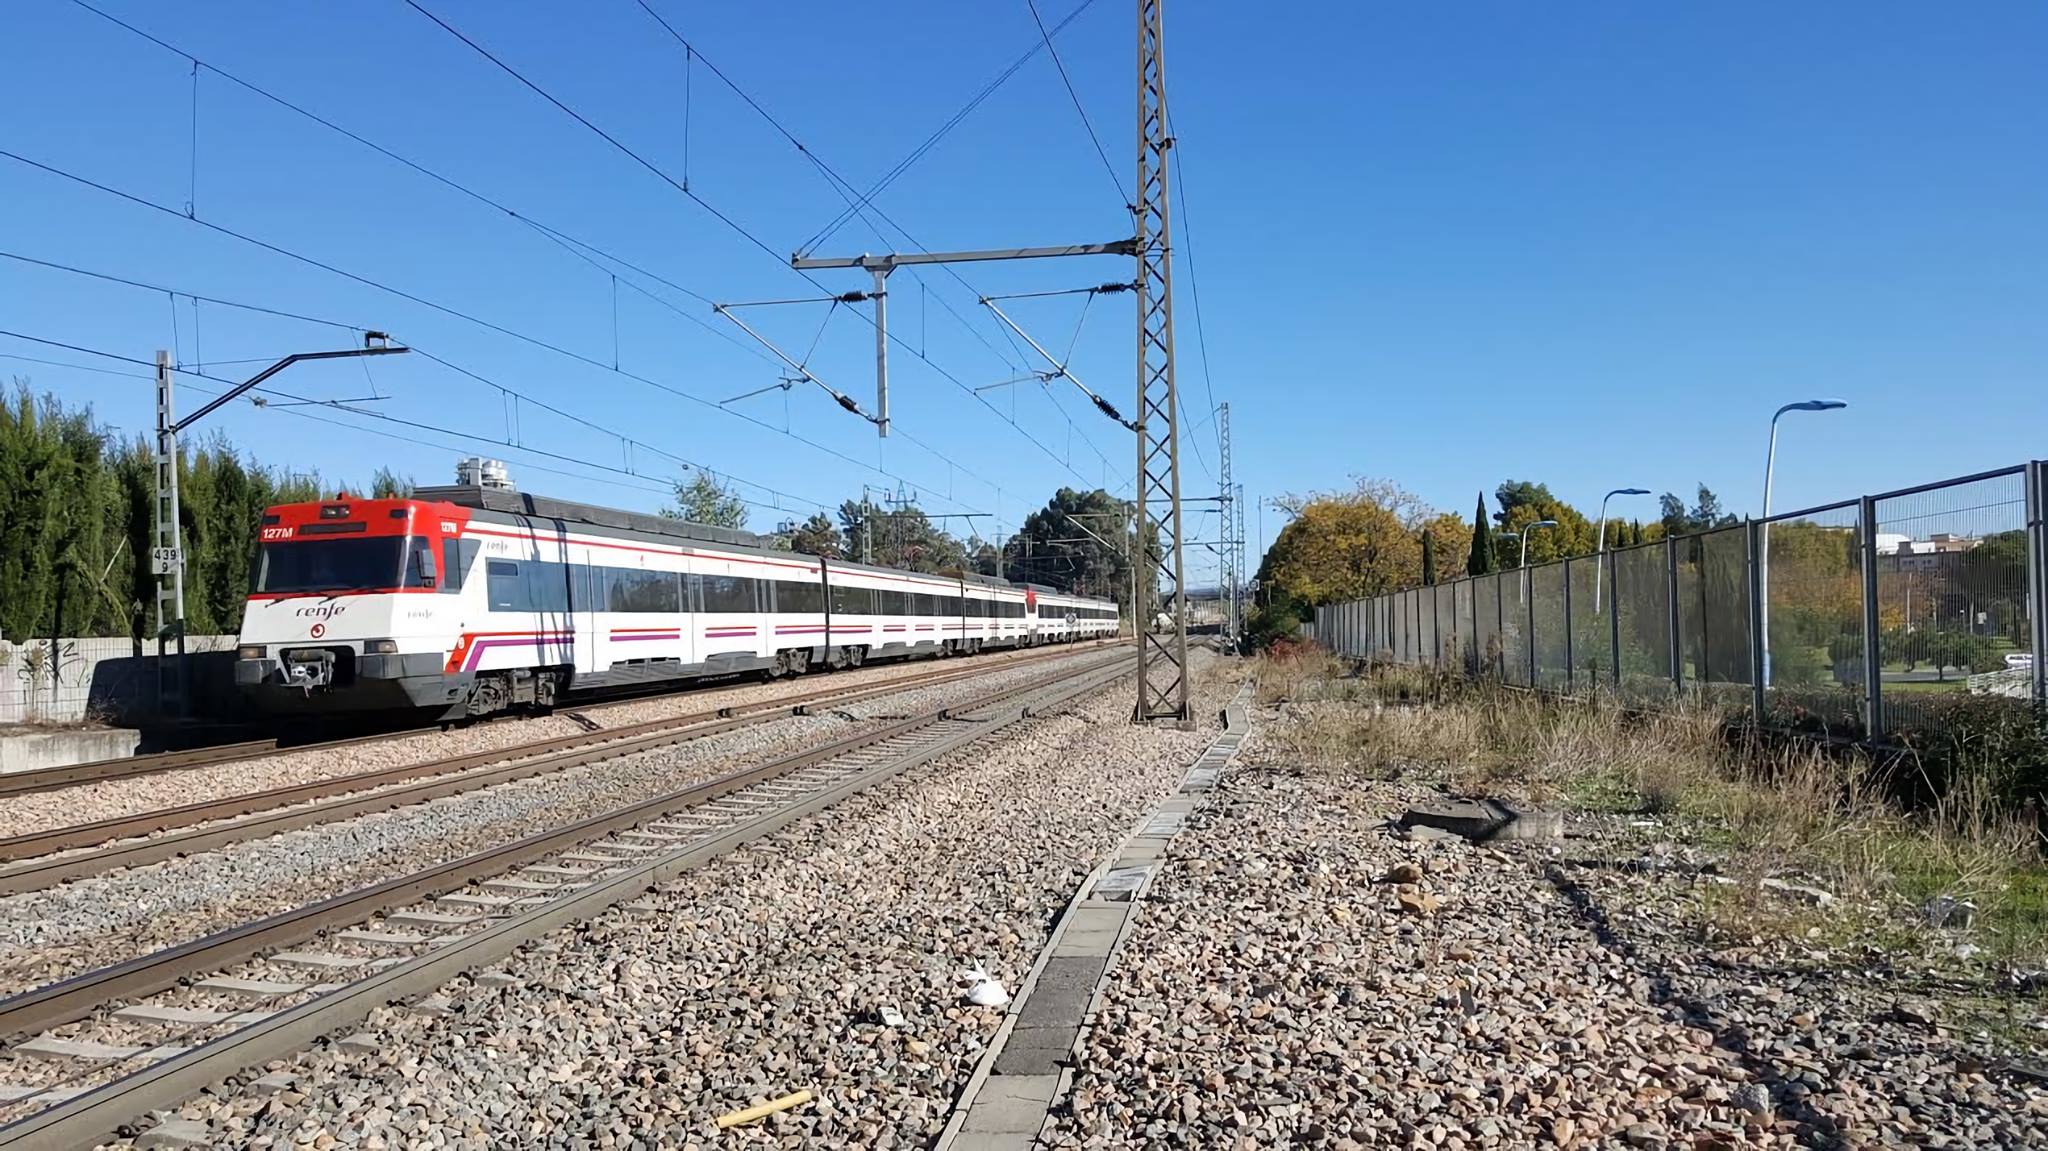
[322, 611]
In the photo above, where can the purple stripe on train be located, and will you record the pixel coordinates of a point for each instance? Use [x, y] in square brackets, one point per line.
[565, 640]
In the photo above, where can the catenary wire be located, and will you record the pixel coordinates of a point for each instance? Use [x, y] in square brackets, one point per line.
[450, 311]
[386, 418]
[423, 353]
[728, 221]
[581, 249]
[847, 192]
[918, 153]
[1076, 98]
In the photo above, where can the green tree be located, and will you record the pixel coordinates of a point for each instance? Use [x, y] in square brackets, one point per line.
[1077, 542]
[1705, 514]
[900, 537]
[817, 536]
[1428, 559]
[1523, 503]
[387, 484]
[1479, 560]
[702, 499]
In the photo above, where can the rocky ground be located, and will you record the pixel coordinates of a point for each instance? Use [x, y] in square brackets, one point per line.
[825, 958]
[1303, 976]
[85, 803]
[61, 931]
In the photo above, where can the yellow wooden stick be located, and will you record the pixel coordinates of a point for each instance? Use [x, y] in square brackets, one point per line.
[748, 1115]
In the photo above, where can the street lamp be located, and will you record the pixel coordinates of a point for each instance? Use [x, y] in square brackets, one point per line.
[1764, 537]
[1602, 545]
[1522, 556]
[1522, 559]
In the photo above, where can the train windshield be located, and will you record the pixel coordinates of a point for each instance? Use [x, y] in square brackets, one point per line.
[329, 565]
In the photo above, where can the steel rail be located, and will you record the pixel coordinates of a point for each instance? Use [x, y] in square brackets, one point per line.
[154, 763]
[93, 1115]
[259, 814]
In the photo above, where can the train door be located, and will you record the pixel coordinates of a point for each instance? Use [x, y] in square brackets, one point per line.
[545, 573]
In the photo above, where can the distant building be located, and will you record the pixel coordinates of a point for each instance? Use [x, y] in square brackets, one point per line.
[1929, 554]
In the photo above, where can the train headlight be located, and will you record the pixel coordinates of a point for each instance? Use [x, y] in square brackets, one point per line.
[249, 651]
[381, 647]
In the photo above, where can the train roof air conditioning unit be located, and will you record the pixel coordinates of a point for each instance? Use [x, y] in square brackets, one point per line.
[479, 472]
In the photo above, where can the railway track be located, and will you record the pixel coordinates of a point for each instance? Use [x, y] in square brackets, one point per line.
[151, 1031]
[155, 763]
[140, 838]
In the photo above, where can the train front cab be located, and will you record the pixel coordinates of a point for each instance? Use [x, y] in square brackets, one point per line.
[347, 604]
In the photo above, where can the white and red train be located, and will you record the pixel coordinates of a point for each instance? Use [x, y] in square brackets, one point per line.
[471, 600]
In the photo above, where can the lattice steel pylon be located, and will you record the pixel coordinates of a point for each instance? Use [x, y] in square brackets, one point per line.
[1162, 652]
[1237, 563]
[1226, 548]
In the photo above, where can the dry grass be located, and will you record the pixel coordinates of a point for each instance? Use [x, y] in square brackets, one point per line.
[1793, 810]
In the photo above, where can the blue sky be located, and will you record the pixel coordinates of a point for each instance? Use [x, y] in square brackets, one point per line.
[1593, 245]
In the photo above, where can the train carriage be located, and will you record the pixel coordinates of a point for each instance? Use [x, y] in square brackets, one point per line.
[470, 600]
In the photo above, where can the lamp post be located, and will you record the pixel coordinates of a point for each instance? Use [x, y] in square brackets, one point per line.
[1763, 606]
[1601, 547]
[167, 557]
[1522, 554]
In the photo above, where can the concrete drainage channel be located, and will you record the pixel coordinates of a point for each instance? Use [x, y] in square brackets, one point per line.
[1027, 1069]
[81, 1116]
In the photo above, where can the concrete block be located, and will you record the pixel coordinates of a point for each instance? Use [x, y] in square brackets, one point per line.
[177, 1133]
[1480, 820]
[35, 750]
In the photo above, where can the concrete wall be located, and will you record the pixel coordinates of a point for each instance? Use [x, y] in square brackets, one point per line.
[29, 749]
[108, 679]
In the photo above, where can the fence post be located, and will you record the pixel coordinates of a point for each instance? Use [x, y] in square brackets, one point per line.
[1500, 626]
[1613, 613]
[1436, 619]
[1752, 540]
[2037, 572]
[1571, 673]
[1529, 605]
[1873, 658]
[1671, 623]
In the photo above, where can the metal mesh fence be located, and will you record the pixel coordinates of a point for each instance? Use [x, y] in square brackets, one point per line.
[1952, 598]
[1811, 568]
[1467, 655]
[1486, 641]
[1514, 627]
[1548, 631]
[1592, 660]
[1723, 607]
[1445, 605]
[1949, 579]
[1640, 588]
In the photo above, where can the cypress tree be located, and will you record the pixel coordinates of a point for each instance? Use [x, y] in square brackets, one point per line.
[1428, 558]
[1480, 562]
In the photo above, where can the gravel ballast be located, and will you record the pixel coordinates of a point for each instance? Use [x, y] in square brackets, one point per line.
[1301, 975]
[823, 957]
[54, 933]
[86, 803]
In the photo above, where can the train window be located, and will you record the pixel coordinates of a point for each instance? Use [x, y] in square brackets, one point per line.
[893, 603]
[547, 586]
[853, 600]
[456, 556]
[638, 590]
[799, 596]
[728, 593]
[507, 592]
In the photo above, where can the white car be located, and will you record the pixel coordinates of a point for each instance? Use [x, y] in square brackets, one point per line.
[2019, 660]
